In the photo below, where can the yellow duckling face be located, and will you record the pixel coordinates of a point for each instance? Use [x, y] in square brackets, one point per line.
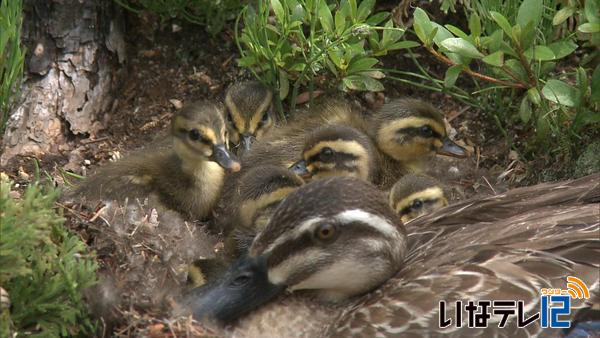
[416, 195]
[200, 135]
[336, 150]
[409, 130]
[249, 114]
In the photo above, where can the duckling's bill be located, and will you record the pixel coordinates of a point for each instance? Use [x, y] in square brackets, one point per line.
[299, 168]
[450, 148]
[224, 158]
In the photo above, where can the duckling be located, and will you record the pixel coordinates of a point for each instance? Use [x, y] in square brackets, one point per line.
[259, 192]
[249, 113]
[338, 150]
[187, 177]
[282, 146]
[409, 132]
[415, 195]
[338, 240]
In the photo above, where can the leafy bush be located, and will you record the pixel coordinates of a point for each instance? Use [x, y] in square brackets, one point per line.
[211, 14]
[43, 268]
[11, 56]
[310, 42]
[513, 51]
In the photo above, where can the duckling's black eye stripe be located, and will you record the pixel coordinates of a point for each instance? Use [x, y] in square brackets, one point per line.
[416, 131]
[343, 157]
[408, 209]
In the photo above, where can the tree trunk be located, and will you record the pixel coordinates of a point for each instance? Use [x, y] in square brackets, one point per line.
[75, 50]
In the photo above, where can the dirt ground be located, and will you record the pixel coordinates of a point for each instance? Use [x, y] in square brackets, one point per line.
[171, 65]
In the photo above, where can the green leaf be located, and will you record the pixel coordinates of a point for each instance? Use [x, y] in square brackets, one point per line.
[592, 11]
[278, 10]
[361, 64]
[340, 22]
[403, 44]
[362, 82]
[372, 84]
[517, 68]
[562, 15]
[336, 56]
[525, 110]
[364, 9]
[431, 36]
[560, 92]
[596, 85]
[495, 40]
[422, 24]
[456, 31]
[284, 85]
[461, 47]
[376, 74]
[563, 48]
[452, 75]
[494, 59]
[540, 53]
[475, 25]
[376, 19]
[542, 127]
[247, 61]
[325, 17]
[534, 96]
[530, 11]
[589, 27]
[502, 22]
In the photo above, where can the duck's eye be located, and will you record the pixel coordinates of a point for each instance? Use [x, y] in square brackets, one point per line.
[325, 231]
[194, 134]
[417, 204]
[229, 118]
[265, 118]
[426, 131]
[327, 152]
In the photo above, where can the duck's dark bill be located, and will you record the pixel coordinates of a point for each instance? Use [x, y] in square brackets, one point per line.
[299, 168]
[452, 149]
[247, 142]
[243, 288]
[224, 158]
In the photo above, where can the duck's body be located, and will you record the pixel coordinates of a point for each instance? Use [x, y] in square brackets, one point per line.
[504, 247]
[187, 176]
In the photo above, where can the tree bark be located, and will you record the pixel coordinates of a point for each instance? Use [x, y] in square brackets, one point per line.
[75, 50]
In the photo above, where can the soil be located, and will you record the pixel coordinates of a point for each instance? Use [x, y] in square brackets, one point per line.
[173, 63]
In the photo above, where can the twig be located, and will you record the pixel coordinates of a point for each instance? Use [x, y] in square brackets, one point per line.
[476, 74]
[489, 185]
[100, 139]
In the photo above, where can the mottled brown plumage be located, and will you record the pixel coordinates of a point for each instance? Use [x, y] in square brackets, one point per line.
[187, 176]
[500, 248]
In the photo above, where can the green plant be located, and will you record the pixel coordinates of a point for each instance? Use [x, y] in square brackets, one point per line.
[11, 56]
[312, 42]
[513, 52]
[211, 14]
[43, 267]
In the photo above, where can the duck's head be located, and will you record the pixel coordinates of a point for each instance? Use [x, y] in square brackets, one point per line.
[409, 130]
[262, 187]
[336, 237]
[249, 114]
[199, 134]
[415, 195]
[336, 150]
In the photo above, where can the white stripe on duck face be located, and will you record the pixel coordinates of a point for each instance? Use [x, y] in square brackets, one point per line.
[378, 223]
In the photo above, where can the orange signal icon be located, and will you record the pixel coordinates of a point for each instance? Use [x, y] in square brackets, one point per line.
[577, 288]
